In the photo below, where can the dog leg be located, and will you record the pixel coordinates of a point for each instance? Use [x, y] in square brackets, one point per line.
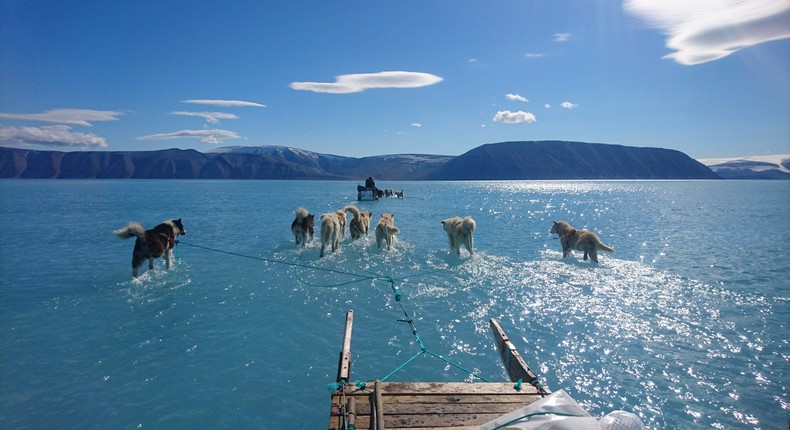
[169, 259]
[593, 255]
[135, 271]
[150, 263]
[585, 255]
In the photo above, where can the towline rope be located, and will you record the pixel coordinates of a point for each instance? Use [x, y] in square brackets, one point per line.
[270, 260]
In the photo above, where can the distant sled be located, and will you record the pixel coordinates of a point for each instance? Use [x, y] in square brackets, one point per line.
[366, 194]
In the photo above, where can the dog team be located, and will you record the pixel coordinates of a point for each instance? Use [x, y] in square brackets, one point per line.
[333, 227]
[160, 240]
[460, 231]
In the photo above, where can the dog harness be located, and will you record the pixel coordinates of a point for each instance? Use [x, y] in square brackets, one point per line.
[171, 240]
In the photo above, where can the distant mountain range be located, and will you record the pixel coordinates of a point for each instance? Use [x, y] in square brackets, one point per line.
[497, 161]
[757, 167]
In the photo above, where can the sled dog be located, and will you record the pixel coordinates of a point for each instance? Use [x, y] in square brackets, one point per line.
[460, 231]
[330, 232]
[580, 240]
[153, 243]
[385, 230]
[302, 226]
[360, 223]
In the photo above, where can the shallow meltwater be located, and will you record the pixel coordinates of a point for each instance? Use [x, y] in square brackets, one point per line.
[618, 335]
[245, 330]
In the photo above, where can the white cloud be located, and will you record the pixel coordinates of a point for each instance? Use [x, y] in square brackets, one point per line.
[568, 105]
[416, 125]
[562, 37]
[51, 135]
[547, 106]
[516, 98]
[205, 136]
[509, 117]
[65, 116]
[211, 117]
[224, 103]
[534, 55]
[706, 30]
[355, 83]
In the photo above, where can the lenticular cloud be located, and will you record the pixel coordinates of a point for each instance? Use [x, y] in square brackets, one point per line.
[82, 117]
[53, 135]
[224, 103]
[359, 82]
[706, 30]
[509, 117]
[205, 136]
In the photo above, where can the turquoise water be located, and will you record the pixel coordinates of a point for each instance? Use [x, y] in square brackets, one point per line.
[685, 325]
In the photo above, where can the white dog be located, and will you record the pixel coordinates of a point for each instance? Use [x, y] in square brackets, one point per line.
[385, 230]
[330, 232]
[460, 231]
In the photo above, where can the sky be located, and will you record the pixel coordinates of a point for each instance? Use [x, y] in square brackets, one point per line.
[710, 78]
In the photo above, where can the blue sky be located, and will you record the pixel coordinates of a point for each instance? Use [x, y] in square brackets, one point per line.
[710, 78]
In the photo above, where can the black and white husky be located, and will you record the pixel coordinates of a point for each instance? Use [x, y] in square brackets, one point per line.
[153, 243]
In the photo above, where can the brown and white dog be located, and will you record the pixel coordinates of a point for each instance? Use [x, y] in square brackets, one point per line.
[460, 231]
[330, 231]
[302, 226]
[360, 223]
[580, 240]
[153, 243]
[385, 230]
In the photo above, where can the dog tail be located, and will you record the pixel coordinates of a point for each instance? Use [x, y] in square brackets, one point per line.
[392, 229]
[133, 229]
[353, 209]
[601, 246]
[301, 213]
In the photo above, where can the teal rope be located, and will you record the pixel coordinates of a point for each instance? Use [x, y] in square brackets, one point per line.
[269, 260]
[401, 366]
[423, 349]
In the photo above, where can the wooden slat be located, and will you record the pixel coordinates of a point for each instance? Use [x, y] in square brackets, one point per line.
[437, 420]
[514, 365]
[344, 363]
[351, 408]
[461, 398]
[446, 408]
[377, 396]
[437, 388]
